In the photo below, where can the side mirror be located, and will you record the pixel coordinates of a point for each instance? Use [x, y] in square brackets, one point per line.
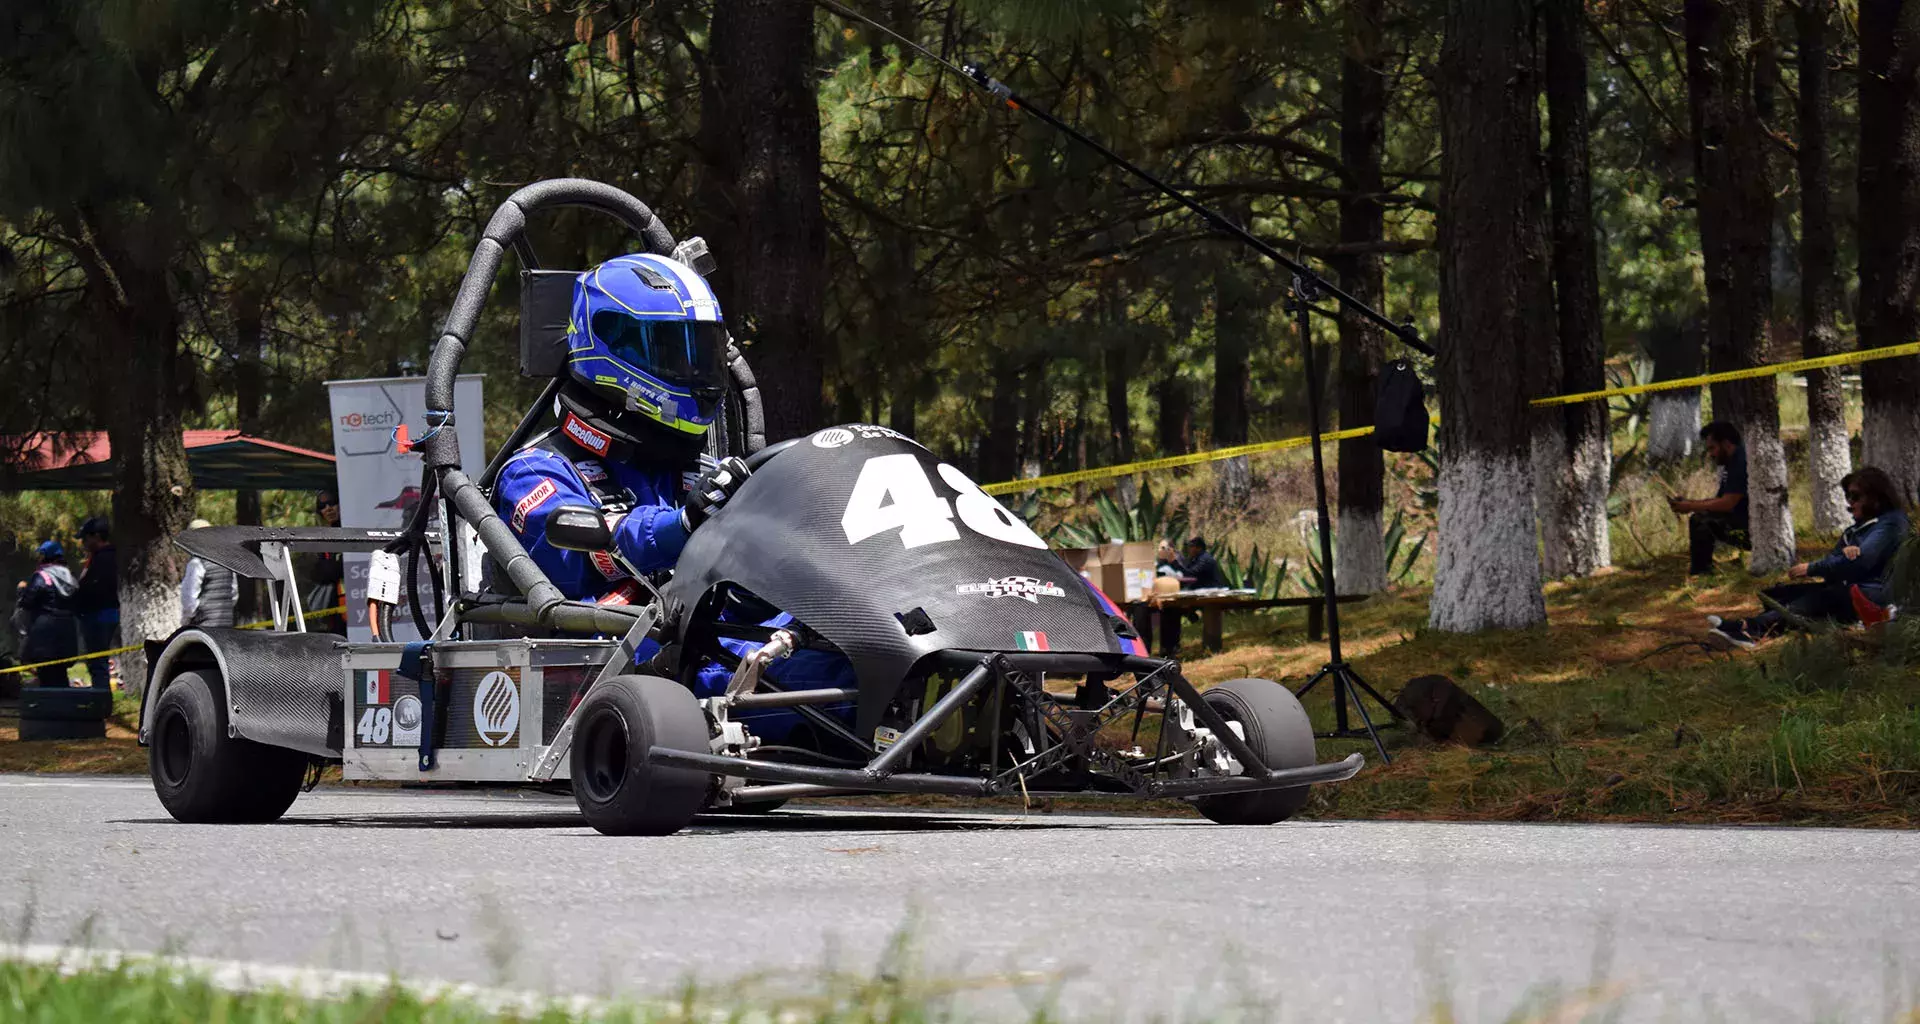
[578, 528]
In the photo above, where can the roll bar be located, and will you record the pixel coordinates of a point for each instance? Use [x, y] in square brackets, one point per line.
[440, 445]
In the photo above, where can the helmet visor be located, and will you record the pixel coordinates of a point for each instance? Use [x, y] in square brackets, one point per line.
[679, 353]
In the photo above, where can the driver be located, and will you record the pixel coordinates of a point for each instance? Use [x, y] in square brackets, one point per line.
[645, 375]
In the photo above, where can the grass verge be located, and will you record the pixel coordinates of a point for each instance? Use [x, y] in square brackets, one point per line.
[1615, 713]
[153, 992]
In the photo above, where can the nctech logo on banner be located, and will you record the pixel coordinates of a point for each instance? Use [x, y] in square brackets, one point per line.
[385, 419]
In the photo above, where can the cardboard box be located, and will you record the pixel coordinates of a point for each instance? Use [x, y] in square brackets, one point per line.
[1085, 561]
[1126, 570]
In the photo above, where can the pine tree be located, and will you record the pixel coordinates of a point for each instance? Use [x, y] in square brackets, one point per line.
[1488, 574]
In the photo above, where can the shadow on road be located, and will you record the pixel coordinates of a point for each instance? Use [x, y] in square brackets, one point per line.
[705, 824]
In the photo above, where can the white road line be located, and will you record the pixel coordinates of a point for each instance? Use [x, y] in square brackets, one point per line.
[104, 782]
[305, 982]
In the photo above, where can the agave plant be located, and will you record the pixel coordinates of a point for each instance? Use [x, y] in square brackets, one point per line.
[1260, 573]
[1400, 556]
[1147, 519]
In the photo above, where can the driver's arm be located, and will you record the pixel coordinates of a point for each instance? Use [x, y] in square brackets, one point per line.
[651, 537]
[532, 485]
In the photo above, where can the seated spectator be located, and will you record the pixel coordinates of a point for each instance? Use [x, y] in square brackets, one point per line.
[1862, 557]
[1721, 519]
[1198, 569]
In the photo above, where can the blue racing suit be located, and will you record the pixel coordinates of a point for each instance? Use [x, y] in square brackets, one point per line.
[576, 464]
[641, 503]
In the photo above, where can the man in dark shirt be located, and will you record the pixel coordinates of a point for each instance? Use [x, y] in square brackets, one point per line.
[98, 601]
[1199, 570]
[1721, 519]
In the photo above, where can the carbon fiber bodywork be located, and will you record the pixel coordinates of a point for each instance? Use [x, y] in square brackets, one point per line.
[784, 538]
[277, 685]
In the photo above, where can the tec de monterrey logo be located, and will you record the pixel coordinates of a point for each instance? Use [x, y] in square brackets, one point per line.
[496, 709]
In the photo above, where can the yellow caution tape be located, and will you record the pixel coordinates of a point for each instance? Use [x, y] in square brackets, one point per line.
[1195, 458]
[1771, 370]
[1170, 462]
[262, 624]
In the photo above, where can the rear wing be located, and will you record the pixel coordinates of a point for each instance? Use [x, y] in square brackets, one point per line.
[252, 551]
[266, 553]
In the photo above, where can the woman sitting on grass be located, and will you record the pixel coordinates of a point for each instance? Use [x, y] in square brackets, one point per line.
[1862, 557]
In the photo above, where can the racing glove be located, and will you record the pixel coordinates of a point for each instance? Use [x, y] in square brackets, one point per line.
[712, 490]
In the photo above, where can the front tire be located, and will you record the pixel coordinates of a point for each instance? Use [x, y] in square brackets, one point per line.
[205, 776]
[619, 791]
[1277, 728]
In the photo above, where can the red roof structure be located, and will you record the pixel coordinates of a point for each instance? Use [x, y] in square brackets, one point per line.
[220, 460]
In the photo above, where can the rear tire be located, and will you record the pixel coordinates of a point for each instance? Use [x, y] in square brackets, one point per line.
[205, 776]
[618, 790]
[1277, 729]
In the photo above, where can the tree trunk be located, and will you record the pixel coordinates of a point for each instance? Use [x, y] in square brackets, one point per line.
[1359, 563]
[1119, 412]
[1582, 528]
[1547, 429]
[1828, 454]
[760, 133]
[1035, 433]
[900, 409]
[1678, 348]
[249, 335]
[999, 449]
[1890, 235]
[1173, 409]
[1488, 573]
[1730, 78]
[1234, 303]
[141, 403]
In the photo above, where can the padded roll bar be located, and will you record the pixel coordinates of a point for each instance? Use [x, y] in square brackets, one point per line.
[507, 228]
[440, 445]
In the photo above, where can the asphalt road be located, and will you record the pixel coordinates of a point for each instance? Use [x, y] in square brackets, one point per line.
[1110, 917]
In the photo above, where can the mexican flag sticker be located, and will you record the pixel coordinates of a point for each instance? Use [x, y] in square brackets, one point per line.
[1031, 641]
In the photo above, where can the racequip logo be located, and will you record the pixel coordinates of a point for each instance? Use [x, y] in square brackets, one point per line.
[1027, 588]
[587, 437]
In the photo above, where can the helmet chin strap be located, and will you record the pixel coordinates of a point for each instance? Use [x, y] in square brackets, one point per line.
[635, 437]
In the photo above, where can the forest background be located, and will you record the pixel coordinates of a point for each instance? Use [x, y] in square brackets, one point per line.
[208, 208]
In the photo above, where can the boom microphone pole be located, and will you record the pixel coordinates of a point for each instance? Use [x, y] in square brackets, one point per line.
[1307, 288]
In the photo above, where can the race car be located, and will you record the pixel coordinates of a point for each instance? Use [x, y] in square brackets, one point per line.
[860, 618]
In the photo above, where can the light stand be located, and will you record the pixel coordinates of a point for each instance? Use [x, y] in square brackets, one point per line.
[1347, 683]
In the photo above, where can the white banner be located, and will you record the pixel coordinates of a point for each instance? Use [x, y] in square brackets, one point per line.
[379, 486]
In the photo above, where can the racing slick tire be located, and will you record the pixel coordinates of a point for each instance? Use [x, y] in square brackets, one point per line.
[202, 774]
[619, 791]
[1277, 728]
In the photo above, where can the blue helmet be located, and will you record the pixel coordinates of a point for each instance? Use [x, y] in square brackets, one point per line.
[50, 551]
[646, 334]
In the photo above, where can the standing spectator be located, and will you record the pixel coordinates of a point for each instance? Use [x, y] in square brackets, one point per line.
[208, 592]
[46, 615]
[98, 602]
[1721, 519]
[329, 572]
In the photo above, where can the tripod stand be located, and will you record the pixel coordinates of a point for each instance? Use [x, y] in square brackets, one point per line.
[1347, 683]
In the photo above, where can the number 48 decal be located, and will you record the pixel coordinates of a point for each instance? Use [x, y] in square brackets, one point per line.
[376, 725]
[893, 493]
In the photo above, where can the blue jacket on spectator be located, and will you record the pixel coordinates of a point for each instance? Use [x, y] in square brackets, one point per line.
[1877, 538]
